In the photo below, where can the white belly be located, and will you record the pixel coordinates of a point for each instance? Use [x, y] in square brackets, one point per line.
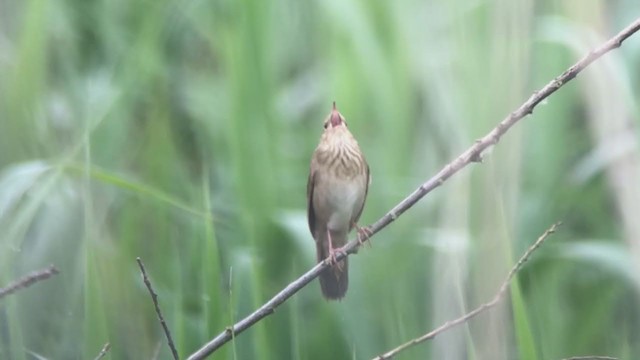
[344, 199]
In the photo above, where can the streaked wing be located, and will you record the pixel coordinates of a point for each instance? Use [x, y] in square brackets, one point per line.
[311, 216]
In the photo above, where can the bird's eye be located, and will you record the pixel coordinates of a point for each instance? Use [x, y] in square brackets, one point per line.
[326, 124]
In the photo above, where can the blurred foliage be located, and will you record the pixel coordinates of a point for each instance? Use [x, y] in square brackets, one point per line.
[181, 132]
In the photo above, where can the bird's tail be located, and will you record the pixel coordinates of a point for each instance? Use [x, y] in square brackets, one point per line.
[334, 280]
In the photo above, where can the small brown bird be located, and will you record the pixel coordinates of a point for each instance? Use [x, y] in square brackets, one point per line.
[336, 192]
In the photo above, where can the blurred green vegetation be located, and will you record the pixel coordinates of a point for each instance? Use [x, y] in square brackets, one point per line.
[181, 132]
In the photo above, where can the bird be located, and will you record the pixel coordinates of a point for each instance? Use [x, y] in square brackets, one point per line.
[337, 188]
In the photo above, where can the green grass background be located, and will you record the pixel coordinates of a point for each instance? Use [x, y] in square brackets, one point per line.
[181, 132]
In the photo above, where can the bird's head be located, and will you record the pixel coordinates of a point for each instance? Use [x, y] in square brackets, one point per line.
[335, 119]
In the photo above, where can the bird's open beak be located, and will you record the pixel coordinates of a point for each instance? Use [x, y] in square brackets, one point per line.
[336, 118]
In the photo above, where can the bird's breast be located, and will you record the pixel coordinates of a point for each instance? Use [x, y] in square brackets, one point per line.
[339, 199]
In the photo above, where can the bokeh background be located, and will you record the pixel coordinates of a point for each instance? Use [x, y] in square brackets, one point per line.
[181, 132]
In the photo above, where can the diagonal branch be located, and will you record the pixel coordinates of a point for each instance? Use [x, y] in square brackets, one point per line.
[28, 280]
[473, 154]
[154, 297]
[496, 299]
[103, 352]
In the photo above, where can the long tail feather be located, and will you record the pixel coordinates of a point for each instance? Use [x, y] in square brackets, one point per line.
[334, 280]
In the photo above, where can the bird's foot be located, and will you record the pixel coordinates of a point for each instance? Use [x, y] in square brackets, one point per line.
[333, 260]
[333, 252]
[364, 233]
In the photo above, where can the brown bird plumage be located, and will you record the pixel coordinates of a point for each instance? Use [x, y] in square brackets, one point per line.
[336, 192]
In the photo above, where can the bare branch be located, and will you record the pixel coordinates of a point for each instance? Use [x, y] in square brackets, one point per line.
[496, 299]
[591, 357]
[154, 297]
[103, 352]
[28, 280]
[473, 154]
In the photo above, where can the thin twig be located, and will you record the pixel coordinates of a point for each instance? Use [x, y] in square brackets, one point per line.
[473, 154]
[104, 351]
[28, 280]
[496, 299]
[591, 357]
[154, 297]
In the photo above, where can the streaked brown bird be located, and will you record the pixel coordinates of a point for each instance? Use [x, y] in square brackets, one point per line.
[336, 192]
